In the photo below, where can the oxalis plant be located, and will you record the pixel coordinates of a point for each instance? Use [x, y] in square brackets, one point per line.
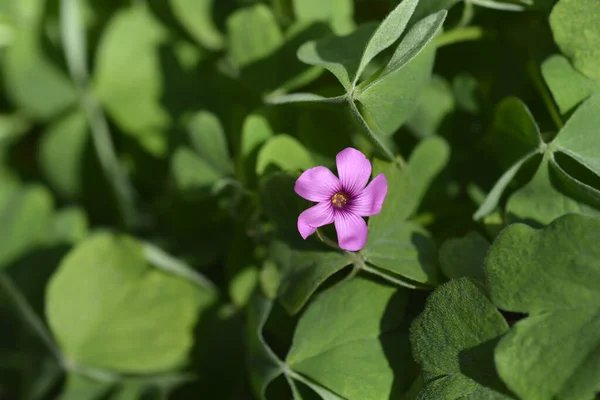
[300, 199]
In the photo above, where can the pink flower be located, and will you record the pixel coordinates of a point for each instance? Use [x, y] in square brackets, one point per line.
[343, 201]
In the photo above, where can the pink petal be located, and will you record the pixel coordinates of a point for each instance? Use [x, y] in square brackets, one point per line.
[316, 216]
[351, 230]
[369, 201]
[317, 184]
[354, 170]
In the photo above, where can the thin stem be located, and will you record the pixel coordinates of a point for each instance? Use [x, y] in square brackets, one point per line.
[278, 98]
[74, 44]
[29, 316]
[458, 35]
[327, 241]
[536, 77]
[106, 153]
[467, 14]
[373, 135]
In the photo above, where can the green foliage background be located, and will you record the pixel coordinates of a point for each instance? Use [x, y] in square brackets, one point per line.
[148, 240]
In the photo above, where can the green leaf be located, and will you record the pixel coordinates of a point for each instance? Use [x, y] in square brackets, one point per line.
[68, 225]
[284, 153]
[73, 37]
[256, 130]
[413, 43]
[78, 387]
[539, 202]
[386, 34]
[553, 275]
[209, 140]
[340, 55]
[193, 174]
[303, 270]
[514, 131]
[358, 355]
[579, 139]
[33, 82]
[264, 365]
[105, 293]
[242, 286]
[517, 138]
[128, 77]
[337, 12]
[435, 103]
[576, 28]
[568, 86]
[406, 248]
[253, 35]
[62, 151]
[453, 341]
[574, 186]
[196, 17]
[493, 198]
[464, 257]
[24, 217]
[387, 103]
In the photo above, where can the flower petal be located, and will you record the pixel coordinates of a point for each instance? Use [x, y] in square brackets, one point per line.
[316, 216]
[369, 201]
[317, 184]
[351, 230]
[354, 170]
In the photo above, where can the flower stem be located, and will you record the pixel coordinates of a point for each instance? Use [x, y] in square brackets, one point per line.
[327, 241]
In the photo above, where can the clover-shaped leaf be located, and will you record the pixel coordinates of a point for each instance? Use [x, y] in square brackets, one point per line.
[127, 76]
[453, 341]
[576, 140]
[383, 101]
[539, 202]
[329, 343]
[106, 292]
[33, 81]
[553, 275]
[200, 169]
[464, 257]
[569, 87]
[576, 28]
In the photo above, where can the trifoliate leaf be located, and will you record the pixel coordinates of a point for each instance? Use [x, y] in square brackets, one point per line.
[553, 275]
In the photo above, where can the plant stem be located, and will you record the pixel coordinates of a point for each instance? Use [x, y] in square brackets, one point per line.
[458, 35]
[106, 153]
[539, 84]
[327, 241]
[74, 44]
[29, 316]
[389, 154]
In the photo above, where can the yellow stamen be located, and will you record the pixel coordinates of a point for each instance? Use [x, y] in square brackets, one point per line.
[339, 200]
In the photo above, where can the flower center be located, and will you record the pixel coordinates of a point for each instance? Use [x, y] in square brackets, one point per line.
[339, 200]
